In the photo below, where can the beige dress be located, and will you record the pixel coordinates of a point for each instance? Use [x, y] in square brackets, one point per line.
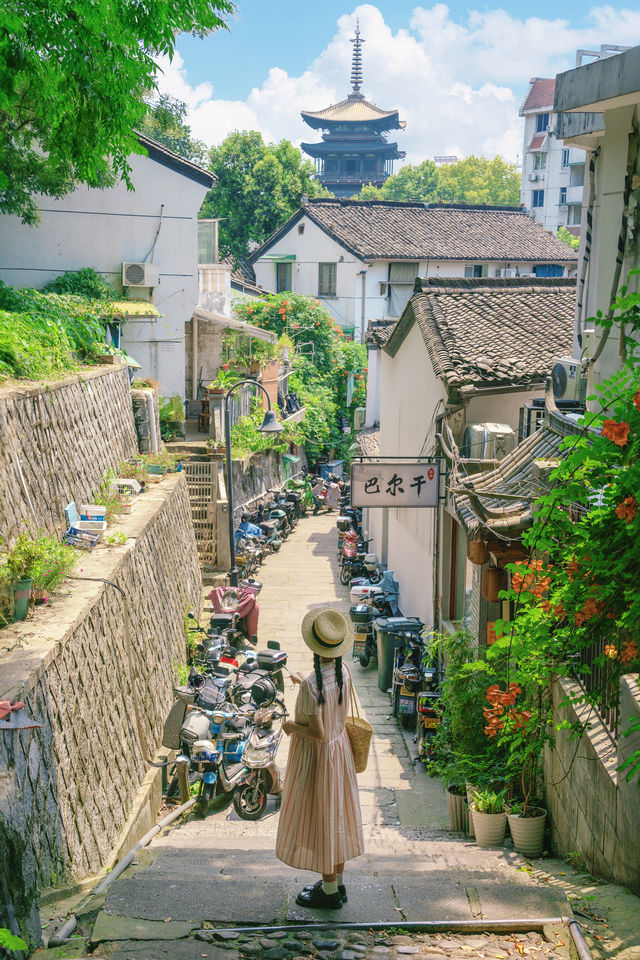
[320, 822]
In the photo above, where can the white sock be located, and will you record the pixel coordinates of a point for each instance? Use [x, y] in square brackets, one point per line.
[340, 879]
[330, 886]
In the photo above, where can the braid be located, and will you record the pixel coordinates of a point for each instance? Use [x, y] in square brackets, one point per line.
[318, 673]
[339, 676]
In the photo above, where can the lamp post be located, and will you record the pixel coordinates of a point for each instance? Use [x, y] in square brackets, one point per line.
[270, 424]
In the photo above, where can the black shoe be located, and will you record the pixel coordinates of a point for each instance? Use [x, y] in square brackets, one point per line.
[317, 898]
[342, 890]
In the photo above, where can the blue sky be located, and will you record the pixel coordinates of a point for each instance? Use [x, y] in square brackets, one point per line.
[457, 72]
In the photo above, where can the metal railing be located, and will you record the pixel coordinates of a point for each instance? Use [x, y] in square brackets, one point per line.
[600, 680]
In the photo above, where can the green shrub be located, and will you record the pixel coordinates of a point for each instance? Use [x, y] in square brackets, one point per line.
[83, 283]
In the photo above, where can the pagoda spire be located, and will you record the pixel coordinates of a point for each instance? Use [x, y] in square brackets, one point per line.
[356, 64]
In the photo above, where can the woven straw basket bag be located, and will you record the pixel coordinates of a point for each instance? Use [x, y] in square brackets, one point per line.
[359, 731]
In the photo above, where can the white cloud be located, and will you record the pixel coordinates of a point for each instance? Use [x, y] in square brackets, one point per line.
[457, 84]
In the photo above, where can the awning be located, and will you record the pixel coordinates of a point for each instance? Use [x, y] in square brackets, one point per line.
[227, 323]
[500, 501]
[278, 256]
[537, 143]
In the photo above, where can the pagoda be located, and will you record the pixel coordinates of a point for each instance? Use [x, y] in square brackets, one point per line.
[354, 149]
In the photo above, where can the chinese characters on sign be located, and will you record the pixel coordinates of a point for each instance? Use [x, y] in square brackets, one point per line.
[395, 484]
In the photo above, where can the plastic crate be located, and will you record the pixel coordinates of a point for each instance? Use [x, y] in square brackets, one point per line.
[92, 511]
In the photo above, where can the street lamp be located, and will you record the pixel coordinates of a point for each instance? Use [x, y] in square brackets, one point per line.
[270, 424]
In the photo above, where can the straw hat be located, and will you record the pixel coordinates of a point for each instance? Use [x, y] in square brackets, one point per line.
[327, 632]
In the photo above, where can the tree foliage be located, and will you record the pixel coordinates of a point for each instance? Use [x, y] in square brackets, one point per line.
[72, 79]
[322, 366]
[165, 122]
[472, 180]
[259, 186]
[568, 238]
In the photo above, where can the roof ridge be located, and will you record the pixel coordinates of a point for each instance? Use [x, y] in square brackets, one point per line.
[419, 204]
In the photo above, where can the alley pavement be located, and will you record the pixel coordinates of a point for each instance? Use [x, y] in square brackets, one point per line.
[222, 870]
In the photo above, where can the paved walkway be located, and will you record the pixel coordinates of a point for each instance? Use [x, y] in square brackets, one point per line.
[222, 870]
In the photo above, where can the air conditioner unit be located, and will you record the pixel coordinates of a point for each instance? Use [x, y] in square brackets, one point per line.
[568, 380]
[506, 272]
[534, 177]
[140, 274]
[488, 441]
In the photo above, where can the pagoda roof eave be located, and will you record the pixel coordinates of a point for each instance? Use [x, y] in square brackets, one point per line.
[353, 110]
[322, 148]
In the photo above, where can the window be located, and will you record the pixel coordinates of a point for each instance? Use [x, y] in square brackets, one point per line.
[537, 198]
[575, 215]
[370, 164]
[350, 165]
[327, 279]
[542, 122]
[563, 195]
[540, 161]
[565, 157]
[548, 270]
[476, 270]
[283, 277]
[576, 177]
[331, 165]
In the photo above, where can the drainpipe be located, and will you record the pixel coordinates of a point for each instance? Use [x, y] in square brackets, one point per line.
[363, 274]
[194, 357]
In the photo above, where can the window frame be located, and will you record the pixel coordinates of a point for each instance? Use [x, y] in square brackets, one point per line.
[540, 161]
[288, 271]
[541, 127]
[330, 289]
[537, 195]
[565, 157]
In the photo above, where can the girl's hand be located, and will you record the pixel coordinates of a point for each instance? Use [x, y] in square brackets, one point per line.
[297, 679]
[288, 727]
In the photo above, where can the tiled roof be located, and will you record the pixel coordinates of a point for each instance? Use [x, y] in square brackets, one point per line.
[161, 154]
[353, 109]
[540, 96]
[491, 332]
[397, 230]
[379, 332]
[369, 442]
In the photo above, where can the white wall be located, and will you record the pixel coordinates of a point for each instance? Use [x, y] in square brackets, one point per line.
[409, 395]
[100, 229]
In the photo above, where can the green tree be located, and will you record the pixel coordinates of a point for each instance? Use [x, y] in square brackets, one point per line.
[568, 238]
[72, 79]
[259, 187]
[479, 180]
[472, 180]
[165, 123]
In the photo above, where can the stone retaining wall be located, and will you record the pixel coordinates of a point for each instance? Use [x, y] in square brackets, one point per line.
[67, 789]
[56, 442]
[594, 812]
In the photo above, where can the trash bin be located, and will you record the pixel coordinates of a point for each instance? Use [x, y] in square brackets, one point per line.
[391, 633]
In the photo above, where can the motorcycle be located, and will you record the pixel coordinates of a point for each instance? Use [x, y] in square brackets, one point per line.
[407, 676]
[262, 777]
[364, 643]
[384, 593]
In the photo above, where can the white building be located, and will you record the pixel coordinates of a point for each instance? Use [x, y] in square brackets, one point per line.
[552, 172]
[155, 225]
[361, 258]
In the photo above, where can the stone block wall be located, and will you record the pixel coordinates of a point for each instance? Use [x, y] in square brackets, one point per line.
[56, 442]
[81, 666]
[593, 811]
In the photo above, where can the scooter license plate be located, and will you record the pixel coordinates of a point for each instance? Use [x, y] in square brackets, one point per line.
[430, 723]
[406, 702]
[359, 646]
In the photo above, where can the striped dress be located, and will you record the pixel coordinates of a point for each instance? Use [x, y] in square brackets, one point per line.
[320, 822]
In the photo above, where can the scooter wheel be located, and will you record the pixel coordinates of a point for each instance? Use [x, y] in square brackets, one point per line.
[250, 800]
[364, 661]
[345, 575]
[204, 799]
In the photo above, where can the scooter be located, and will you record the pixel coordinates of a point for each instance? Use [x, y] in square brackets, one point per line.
[365, 565]
[386, 591]
[262, 777]
[429, 709]
[364, 643]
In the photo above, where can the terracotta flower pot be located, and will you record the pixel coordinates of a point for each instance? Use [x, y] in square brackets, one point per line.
[528, 832]
[489, 828]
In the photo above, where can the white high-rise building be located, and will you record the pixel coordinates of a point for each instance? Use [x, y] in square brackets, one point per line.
[552, 174]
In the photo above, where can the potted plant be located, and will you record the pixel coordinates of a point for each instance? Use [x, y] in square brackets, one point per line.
[285, 345]
[41, 564]
[225, 379]
[55, 562]
[527, 820]
[489, 815]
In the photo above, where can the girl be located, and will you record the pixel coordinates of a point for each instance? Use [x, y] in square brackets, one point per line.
[320, 823]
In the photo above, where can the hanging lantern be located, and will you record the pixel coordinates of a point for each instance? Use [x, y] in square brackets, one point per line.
[477, 551]
[493, 581]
